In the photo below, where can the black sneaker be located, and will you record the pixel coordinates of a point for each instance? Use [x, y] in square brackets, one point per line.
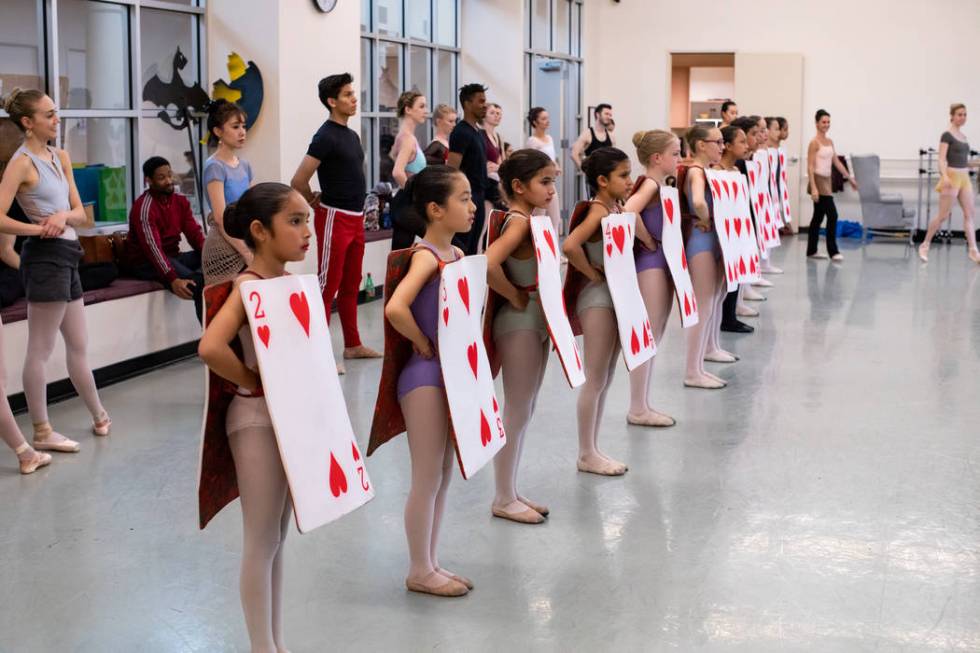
[737, 327]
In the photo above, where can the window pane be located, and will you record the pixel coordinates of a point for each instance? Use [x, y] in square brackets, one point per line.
[388, 128]
[367, 76]
[159, 139]
[419, 71]
[446, 22]
[389, 75]
[576, 29]
[561, 26]
[21, 47]
[540, 25]
[388, 17]
[93, 55]
[368, 145]
[446, 75]
[162, 34]
[100, 153]
[365, 15]
[418, 19]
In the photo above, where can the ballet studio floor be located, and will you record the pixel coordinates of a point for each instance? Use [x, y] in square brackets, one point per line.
[827, 500]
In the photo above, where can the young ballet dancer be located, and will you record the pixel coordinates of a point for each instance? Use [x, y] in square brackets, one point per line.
[272, 220]
[821, 157]
[29, 459]
[954, 183]
[607, 171]
[226, 177]
[412, 396]
[762, 154]
[518, 341]
[409, 159]
[659, 152]
[540, 122]
[41, 179]
[703, 253]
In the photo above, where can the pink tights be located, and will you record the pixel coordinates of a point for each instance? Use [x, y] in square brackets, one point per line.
[657, 291]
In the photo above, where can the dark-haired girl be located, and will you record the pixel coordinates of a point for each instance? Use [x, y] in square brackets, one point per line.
[607, 171]
[821, 158]
[412, 396]
[540, 122]
[272, 220]
[518, 331]
[226, 177]
[41, 179]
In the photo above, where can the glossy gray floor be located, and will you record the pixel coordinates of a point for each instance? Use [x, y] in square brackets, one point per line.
[827, 500]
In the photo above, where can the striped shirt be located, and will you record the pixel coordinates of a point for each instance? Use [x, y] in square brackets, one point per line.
[156, 223]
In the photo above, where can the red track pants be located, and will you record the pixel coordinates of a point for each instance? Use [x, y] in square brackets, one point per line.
[340, 236]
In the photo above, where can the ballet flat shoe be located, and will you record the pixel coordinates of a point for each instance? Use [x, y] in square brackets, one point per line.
[737, 327]
[719, 358]
[817, 257]
[750, 294]
[535, 506]
[772, 270]
[615, 471]
[762, 283]
[657, 420]
[974, 256]
[451, 588]
[529, 516]
[102, 428]
[705, 385]
[62, 446]
[923, 253]
[463, 580]
[30, 466]
[745, 311]
[838, 257]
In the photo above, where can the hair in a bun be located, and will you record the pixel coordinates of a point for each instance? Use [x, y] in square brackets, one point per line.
[260, 202]
[20, 104]
[601, 163]
[654, 141]
[219, 112]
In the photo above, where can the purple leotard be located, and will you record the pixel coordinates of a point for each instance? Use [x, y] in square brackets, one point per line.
[653, 220]
[418, 371]
[701, 241]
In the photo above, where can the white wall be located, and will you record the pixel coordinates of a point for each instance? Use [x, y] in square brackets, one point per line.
[711, 84]
[886, 69]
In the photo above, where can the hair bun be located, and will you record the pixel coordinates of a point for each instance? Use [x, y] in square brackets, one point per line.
[8, 101]
[638, 138]
[229, 221]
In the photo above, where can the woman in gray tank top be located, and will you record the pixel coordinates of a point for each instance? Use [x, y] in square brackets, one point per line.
[954, 183]
[41, 179]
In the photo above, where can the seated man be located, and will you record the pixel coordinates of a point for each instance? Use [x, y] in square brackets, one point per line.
[158, 218]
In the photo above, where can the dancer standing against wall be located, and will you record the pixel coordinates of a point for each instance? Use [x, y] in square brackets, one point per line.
[821, 157]
[41, 178]
[336, 156]
[409, 161]
[540, 122]
[607, 170]
[703, 252]
[954, 183]
[518, 331]
[659, 152]
[412, 384]
[272, 220]
[226, 177]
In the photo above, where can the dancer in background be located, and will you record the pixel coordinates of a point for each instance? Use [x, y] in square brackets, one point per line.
[443, 123]
[596, 136]
[409, 161]
[336, 156]
[821, 157]
[659, 152]
[729, 112]
[41, 179]
[272, 220]
[518, 331]
[703, 253]
[954, 183]
[607, 170]
[468, 153]
[226, 177]
[412, 391]
[540, 121]
[762, 154]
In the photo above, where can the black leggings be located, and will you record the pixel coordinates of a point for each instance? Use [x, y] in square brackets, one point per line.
[823, 207]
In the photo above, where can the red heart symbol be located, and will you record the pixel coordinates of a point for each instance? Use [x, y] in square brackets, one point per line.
[735, 190]
[463, 286]
[608, 249]
[485, 435]
[768, 217]
[550, 240]
[752, 266]
[728, 191]
[669, 209]
[782, 160]
[738, 227]
[752, 176]
[758, 200]
[338, 480]
[683, 259]
[629, 231]
[728, 228]
[694, 303]
[578, 361]
[741, 265]
[495, 408]
[471, 356]
[646, 337]
[301, 309]
[538, 252]
[357, 454]
[264, 335]
[634, 343]
[687, 305]
[748, 226]
[717, 187]
[445, 315]
[619, 237]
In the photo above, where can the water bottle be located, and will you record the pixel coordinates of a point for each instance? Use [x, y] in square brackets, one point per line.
[369, 289]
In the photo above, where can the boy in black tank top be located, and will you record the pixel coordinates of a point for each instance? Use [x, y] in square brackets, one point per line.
[589, 141]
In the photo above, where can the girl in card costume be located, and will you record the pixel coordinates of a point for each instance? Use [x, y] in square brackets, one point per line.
[412, 395]
[515, 330]
[703, 252]
[750, 125]
[240, 453]
[607, 171]
[659, 152]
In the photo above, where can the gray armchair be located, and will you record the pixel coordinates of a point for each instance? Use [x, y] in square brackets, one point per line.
[878, 211]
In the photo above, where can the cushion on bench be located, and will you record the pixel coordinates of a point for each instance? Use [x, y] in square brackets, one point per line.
[116, 290]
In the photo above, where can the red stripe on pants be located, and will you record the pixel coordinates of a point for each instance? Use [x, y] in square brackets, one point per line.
[340, 251]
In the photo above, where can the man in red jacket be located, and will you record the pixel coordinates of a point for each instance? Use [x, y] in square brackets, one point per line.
[156, 222]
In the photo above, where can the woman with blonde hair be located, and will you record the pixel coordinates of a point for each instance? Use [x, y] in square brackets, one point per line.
[954, 183]
[443, 121]
[409, 161]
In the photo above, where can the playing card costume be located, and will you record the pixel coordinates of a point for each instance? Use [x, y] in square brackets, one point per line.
[696, 240]
[579, 292]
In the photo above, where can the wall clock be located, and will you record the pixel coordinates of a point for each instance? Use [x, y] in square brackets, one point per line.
[326, 6]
